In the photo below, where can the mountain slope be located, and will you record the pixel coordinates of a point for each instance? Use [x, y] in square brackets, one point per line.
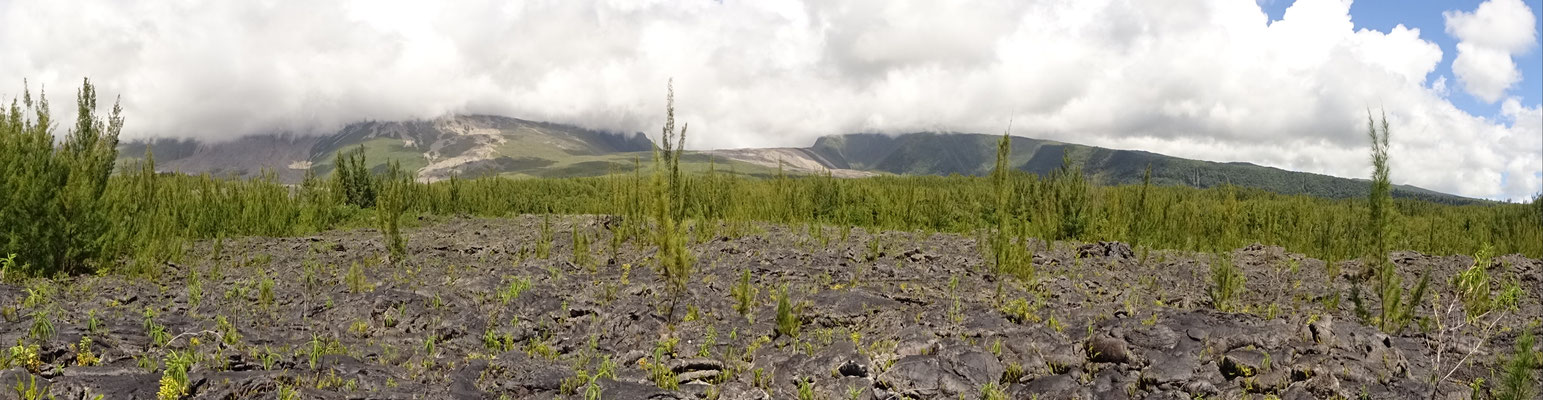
[436, 149]
[480, 145]
[975, 154]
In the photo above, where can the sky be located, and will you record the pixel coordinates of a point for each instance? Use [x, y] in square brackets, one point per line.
[1281, 83]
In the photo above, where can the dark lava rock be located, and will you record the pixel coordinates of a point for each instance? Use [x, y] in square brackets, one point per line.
[1065, 358]
[617, 390]
[974, 365]
[1159, 337]
[1113, 383]
[1322, 331]
[1114, 250]
[701, 376]
[900, 311]
[915, 340]
[917, 376]
[109, 382]
[741, 391]
[695, 364]
[1271, 381]
[853, 369]
[1051, 387]
[1243, 363]
[953, 371]
[238, 384]
[518, 373]
[463, 382]
[1167, 369]
[1106, 349]
[1201, 389]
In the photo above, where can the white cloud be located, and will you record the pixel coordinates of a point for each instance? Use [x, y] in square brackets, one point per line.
[1207, 79]
[1487, 39]
[1526, 133]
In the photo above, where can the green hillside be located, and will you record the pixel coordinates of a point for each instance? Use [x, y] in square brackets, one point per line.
[479, 145]
[973, 154]
[466, 146]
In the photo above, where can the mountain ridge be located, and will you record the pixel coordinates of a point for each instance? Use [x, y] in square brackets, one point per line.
[485, 145]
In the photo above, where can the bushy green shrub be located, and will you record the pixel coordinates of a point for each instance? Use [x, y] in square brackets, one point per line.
[1226, 282]
[351, 179]
[1473, 286]
[1397, 309]
[787, 316]
[55, 216]
[1071, 199]
[1009, 254]
[744, 294]
[1520, 382]
[393, 201]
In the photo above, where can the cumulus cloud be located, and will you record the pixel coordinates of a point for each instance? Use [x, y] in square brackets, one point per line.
[1487, 39]
[1207, 79]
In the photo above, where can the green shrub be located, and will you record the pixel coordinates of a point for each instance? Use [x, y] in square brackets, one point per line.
[174, 381]
[516, 286]
[393, 202]
[356, 280]
[351, 179]
[544, 243]
[674, 259]
[8, 264]
[1473, 286]
[992, 392]
[744, 294]
[55, 214]
[1008, 253]
[1520, 382]
[1020, 311]
[265, 295]
[1072, 198]
[1227, 282]
[228, 333]
[42, 327]
[1380, 198]
[787, 317]
[581, 256]
[805, 390]
[30, 390]
[1398, 310]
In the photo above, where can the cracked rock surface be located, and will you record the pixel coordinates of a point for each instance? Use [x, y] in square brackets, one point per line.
[474, 312]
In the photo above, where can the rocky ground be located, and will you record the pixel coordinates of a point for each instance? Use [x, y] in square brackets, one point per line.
[476, 312]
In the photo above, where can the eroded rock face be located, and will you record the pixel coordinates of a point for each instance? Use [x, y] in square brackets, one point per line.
[1114, 250]
[474, 314]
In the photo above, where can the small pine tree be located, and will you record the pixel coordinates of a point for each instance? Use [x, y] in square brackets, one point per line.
[1519, 381]
[674, 259]
[1139, 211]
[55, 215]
[1379, 199]
[1397, 309]
[351, 178]
[1227, 282]
[1071, 189]
[392, 203]
[1537, 203]
[1009, 255]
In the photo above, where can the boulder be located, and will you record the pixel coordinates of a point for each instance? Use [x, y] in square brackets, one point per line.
[1105, 349]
